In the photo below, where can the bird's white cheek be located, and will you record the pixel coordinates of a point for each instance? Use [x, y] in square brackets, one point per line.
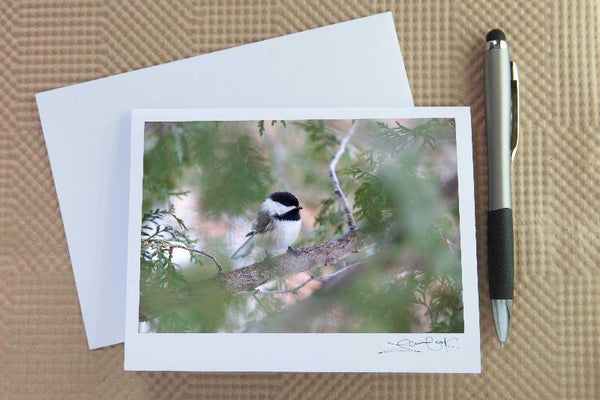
[274, 208]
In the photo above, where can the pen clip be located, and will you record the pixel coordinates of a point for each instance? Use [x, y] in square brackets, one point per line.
[514, 141]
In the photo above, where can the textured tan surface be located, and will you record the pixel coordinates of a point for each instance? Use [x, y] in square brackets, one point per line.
[554, 349]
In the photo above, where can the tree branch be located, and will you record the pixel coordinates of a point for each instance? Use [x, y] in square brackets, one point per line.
[293, 290]
[248, 278]
[321, 278]
[327, 253]
[171, 246]
[334, 179]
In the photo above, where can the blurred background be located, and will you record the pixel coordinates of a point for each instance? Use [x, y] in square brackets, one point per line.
[204, 183]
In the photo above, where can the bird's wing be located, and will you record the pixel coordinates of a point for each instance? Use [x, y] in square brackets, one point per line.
[263, 223]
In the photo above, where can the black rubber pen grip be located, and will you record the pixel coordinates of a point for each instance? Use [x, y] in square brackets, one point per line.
[500, 253]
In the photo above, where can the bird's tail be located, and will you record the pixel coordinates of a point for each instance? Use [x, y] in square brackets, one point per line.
[244, 249]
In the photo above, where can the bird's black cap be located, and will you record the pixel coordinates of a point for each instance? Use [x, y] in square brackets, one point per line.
[495, 34]
[285, 198]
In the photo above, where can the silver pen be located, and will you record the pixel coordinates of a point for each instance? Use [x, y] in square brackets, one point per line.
[502, 126]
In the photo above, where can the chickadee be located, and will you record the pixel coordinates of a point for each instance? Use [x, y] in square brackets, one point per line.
[276, 227]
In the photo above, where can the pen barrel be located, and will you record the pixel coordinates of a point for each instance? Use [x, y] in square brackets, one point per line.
[498, 125]
[500, 253]
[498, 108]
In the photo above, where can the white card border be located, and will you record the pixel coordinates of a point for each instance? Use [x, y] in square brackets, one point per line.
[303, 352]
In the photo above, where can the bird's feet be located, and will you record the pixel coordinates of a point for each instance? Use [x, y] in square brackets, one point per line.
[293, 251]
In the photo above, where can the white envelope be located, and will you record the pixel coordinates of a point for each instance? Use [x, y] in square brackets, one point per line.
[87, 131]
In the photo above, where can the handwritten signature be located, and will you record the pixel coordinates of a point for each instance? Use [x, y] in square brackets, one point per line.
[428, 344]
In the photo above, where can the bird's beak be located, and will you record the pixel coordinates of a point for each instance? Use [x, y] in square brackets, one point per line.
[299, 207]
